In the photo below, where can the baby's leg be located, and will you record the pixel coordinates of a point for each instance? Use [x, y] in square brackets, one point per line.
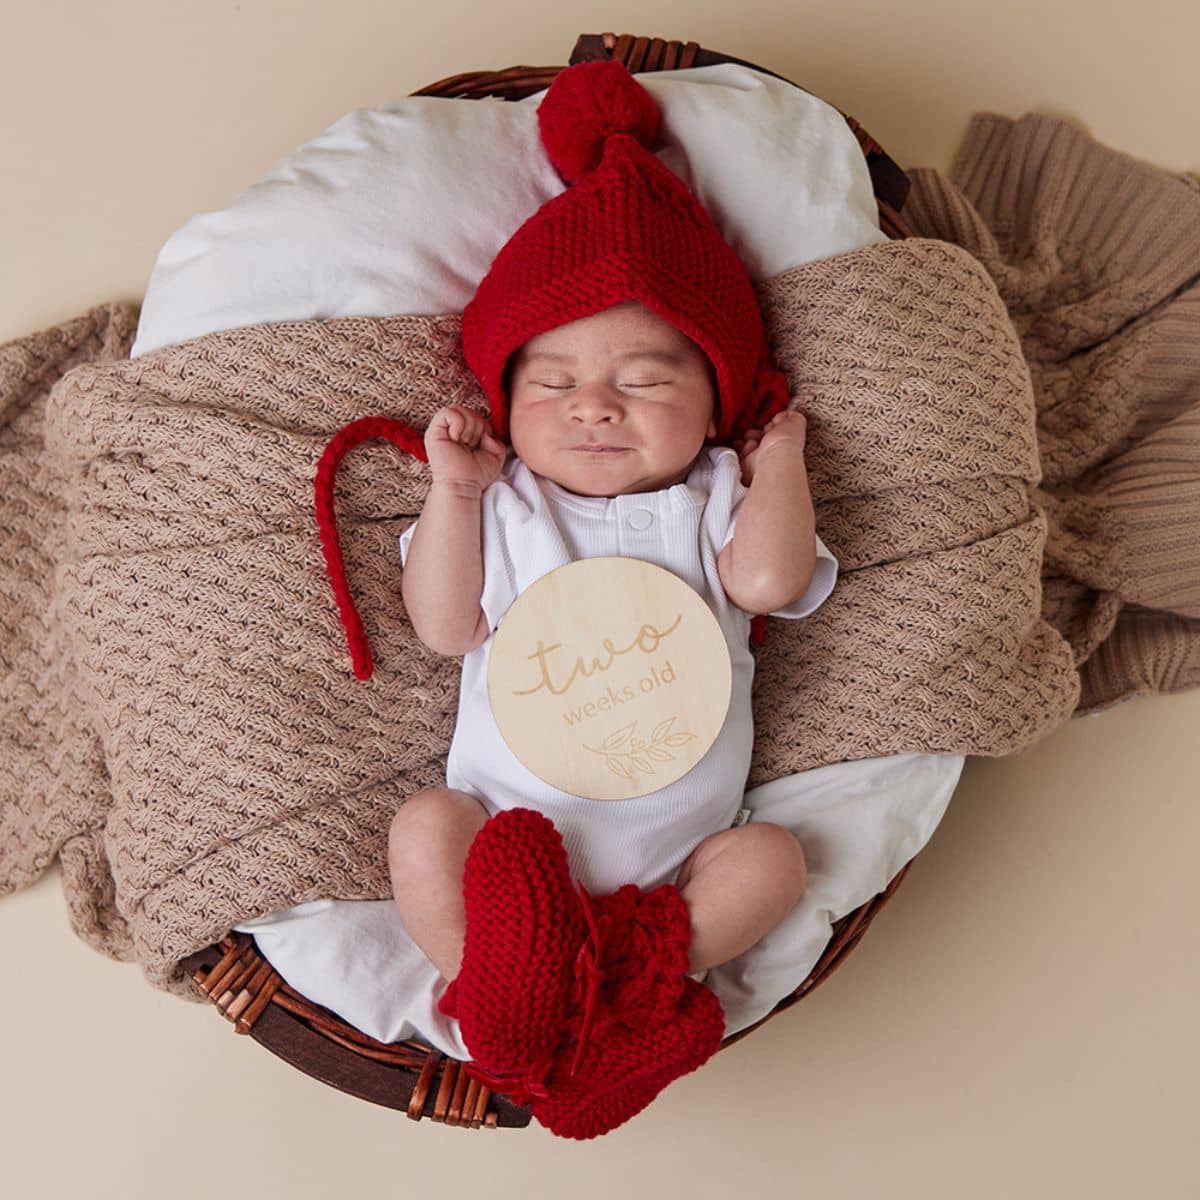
[738, 884]
[427, 848]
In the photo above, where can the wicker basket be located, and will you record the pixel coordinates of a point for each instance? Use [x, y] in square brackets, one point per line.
[410, 1075]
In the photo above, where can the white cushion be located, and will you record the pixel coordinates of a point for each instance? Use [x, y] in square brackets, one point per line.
[859, 823]
[402, 208]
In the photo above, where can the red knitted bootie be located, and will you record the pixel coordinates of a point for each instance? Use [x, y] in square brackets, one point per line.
[580, 1007]
[637, 1022]
[524, 927]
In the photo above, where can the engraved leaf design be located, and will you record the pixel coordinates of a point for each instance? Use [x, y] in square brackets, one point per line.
[661, 730]
[678, 739]
[659, 755]
[642, 763]
[615, 741]
[617, 767]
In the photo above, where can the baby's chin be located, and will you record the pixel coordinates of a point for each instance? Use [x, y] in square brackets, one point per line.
[580, 485]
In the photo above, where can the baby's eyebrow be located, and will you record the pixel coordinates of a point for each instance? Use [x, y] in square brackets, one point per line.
[666, 357]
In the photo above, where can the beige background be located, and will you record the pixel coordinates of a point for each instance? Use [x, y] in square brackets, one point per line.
[1020, 1020]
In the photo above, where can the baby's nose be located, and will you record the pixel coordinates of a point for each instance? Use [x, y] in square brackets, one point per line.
[597, 403]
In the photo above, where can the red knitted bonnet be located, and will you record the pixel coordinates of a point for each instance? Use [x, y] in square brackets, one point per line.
[628, 229]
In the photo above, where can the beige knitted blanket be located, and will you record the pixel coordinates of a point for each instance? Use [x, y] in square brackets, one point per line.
[179, 722]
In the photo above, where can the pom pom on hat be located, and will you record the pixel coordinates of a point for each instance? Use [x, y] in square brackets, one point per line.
[585, 106]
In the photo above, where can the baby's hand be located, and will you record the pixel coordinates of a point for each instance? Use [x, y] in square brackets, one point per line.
[785, 431]
[461, 449]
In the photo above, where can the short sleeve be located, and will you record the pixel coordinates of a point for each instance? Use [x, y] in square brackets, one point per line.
[405, 541]
[499, 588]
[499, 573]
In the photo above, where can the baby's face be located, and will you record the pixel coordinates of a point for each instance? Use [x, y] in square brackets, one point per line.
[622, 377]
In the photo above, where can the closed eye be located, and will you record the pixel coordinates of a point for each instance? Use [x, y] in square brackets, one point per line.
[566, 387]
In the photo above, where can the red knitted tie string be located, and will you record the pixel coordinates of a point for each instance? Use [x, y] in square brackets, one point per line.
[588, 971]
[520, 1089]
[399, 433]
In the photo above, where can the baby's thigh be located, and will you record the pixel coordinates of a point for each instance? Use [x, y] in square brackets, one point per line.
[773, 852]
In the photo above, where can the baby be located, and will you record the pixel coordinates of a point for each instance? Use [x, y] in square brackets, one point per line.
[626, 380]
[634, 412]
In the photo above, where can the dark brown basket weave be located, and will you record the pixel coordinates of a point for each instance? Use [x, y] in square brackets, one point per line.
[410, 1075]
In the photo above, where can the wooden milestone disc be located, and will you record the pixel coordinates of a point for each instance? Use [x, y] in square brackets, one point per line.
[609, 678]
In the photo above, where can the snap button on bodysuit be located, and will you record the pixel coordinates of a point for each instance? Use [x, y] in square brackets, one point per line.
[641, 519]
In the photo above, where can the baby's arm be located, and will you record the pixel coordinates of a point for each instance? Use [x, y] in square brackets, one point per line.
[443, 572]
[770, 561]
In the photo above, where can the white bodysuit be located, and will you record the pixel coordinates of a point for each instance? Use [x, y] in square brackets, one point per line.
[532, 525]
